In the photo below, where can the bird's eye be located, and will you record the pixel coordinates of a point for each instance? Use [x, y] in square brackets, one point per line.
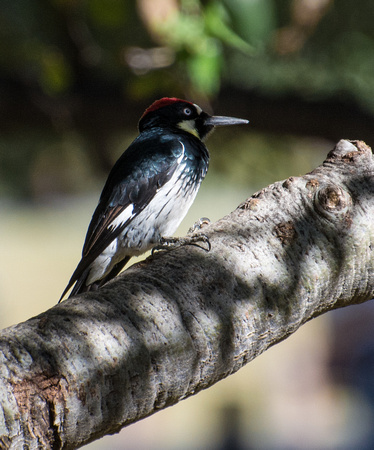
[187, 111]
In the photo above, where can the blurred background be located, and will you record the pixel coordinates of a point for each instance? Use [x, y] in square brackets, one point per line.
[76, 75]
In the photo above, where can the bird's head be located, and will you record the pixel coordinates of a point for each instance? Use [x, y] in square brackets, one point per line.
[177, 113]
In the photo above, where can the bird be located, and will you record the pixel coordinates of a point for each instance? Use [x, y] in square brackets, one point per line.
[148, 191]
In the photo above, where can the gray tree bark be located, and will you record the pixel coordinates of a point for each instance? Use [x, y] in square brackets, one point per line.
[182, 320]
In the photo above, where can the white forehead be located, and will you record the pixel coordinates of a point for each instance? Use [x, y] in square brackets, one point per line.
[198, 109]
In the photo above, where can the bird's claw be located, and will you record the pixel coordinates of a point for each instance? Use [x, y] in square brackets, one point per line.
[172, 243]
[199, 224]
[200, 238]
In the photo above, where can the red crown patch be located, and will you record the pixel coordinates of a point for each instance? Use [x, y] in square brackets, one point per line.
[165, 101]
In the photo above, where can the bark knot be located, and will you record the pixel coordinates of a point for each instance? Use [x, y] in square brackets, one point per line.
[286, 232]
[250, 203]
[312, 185]
[288, 183]
[332, 200]
[349, 152]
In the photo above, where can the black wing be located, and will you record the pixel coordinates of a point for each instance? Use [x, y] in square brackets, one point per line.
[139, 173]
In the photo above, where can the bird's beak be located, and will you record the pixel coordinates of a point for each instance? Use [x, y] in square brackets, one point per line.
[217, 121]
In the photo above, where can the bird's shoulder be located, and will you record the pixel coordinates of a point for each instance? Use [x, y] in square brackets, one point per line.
[149, 161]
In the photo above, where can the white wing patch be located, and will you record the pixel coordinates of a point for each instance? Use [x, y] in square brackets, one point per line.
[123, 217]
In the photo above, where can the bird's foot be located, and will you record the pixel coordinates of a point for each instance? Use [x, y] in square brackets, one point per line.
[170, 243]
[199, 224]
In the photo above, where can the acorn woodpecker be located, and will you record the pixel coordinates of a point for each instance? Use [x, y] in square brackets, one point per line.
[148, 191]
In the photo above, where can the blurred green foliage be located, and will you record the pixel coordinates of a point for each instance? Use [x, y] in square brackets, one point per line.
[316, 48]
[328, 54]
[58, 55]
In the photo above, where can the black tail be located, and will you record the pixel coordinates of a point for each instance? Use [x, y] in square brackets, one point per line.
[79, 281]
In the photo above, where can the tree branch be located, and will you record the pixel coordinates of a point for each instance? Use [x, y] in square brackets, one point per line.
[180, 321]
